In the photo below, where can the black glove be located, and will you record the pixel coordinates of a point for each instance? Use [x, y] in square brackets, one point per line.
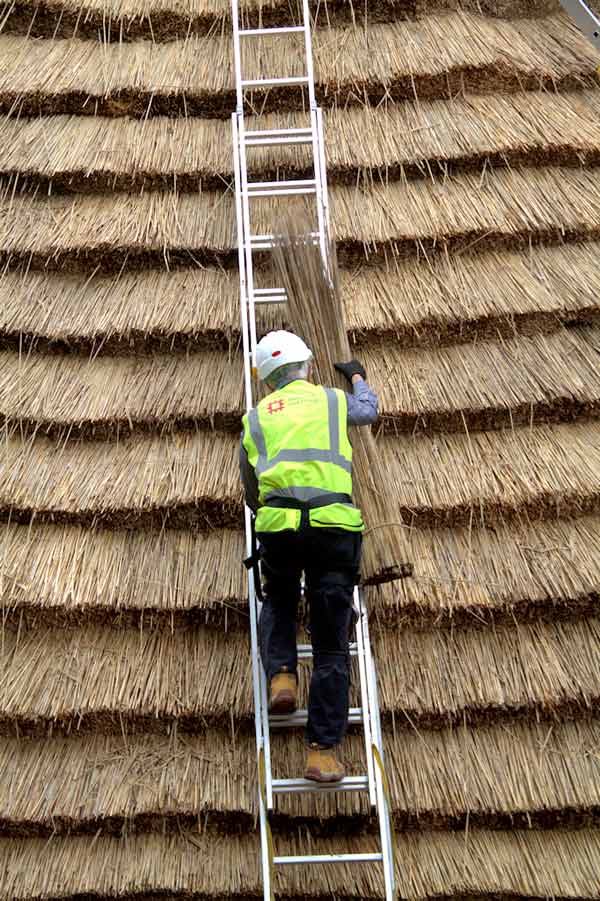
[350, 369]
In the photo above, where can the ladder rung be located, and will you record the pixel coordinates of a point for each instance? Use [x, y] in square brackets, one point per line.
[300, 717]
[281, 188]
[295, 786]
[284, 29]
[273, 82]
[270, 295]
[266, 242]
[374, 857]
[305, 650]
[274, 136]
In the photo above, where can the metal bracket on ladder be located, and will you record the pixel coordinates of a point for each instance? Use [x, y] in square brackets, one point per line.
[373, 782]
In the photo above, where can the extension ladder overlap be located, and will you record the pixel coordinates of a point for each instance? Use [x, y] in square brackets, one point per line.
[373, 783]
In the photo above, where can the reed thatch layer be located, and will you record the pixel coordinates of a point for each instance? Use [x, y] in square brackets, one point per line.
[123, 313]
[106, 680]
[487, 384]
[534, 774]
[107, 397]
[439, 676]
[428, 865]
[483, 385]
[160, 21]
[438, 56]
[57, 575]
[496, 574]
[192, 480]
[417, 303]
[459, 298]
[64, 572]
[466, 214]
[189, 480]
[474, 479]
[74, 153]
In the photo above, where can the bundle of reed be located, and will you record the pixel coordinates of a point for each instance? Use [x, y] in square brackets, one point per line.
[316, 311]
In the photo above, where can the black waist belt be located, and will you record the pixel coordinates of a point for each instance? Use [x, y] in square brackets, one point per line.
[290, 503]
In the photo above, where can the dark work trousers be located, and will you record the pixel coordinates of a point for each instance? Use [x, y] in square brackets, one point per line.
[330, 560]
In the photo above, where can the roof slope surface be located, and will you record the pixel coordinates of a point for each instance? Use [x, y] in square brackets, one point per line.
[463, 144]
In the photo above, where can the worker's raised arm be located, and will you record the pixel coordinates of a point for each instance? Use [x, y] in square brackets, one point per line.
[362, 403]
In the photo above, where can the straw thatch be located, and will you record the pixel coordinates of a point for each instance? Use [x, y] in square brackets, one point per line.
[63, 574]
[186, 480]
[163, 21]
[437, 56]
[102, 680]
[523, 381]
[449, 300]
[191, 479]
[466, 214]
[527, 864]
[465, 210]
[108, 397]
[71, 153]
[478, 577]
[535, 774]
[69, 574]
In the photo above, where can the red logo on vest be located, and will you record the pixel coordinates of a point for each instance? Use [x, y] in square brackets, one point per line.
[276, 406]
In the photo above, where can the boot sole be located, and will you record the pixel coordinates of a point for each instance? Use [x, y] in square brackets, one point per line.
[317, 776]
[282, 704]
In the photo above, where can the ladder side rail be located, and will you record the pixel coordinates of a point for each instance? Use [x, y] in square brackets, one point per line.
[310, 72]
[237, 57]
[242, 269]
[364, 702]
[385, 816]
[256, 675]
[584, 18]
[383, 811]
[262, 738]
[321, 163]
[247, 233]
[321, 187]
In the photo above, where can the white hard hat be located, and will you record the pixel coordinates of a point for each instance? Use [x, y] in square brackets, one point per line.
[278, 349]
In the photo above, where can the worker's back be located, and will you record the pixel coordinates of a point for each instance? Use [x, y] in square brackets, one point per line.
[297, 441]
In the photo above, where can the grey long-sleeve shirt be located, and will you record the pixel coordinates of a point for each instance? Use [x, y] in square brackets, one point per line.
[362, 410]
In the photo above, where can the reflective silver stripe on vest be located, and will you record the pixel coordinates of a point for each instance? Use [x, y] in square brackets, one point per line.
[256, 433]
[307, 454]
[333, 409]
[306, 494]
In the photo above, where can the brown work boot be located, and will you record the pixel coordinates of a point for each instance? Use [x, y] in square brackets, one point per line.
[283, 694]
[322, 765]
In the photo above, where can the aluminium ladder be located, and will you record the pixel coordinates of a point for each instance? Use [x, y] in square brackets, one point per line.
[374, 781]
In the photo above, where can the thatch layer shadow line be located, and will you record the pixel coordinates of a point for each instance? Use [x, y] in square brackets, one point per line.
[553, 412]
[58, 19]
[241, 822]
[203, 515]
[479, 80]
[429, 332]
[99, 181]
[113, 722]
[233, 616]
[209, 513]
[112, 259]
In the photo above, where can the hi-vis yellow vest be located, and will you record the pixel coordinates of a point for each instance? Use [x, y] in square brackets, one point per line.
[297, 442]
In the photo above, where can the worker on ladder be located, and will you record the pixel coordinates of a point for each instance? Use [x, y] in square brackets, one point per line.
[296, 468]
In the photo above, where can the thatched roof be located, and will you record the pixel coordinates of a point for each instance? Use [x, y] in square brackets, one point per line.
[463, 147]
